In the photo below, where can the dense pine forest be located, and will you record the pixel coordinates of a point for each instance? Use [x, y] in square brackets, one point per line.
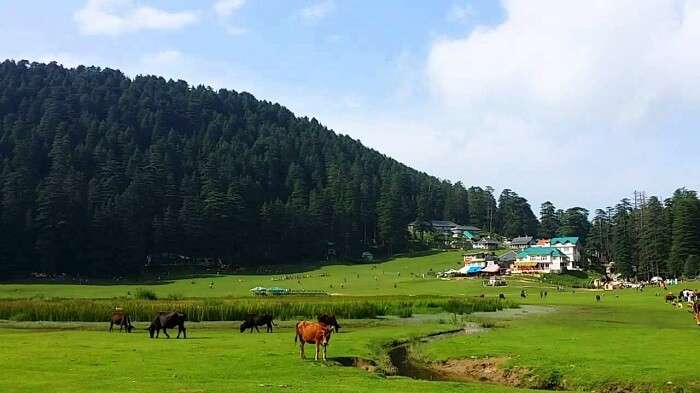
[99, 171]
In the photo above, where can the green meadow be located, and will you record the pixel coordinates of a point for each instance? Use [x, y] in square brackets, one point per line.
[629, 341]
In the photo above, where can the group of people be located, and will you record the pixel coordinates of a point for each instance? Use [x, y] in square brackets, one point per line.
[688, 295]
[691, 297]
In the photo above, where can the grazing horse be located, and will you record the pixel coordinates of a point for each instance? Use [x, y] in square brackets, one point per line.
[168, 320]
[329, 320]
[312, 333]
[257, 320]
[122, 319]
[501, 296]
[670, 298]
[696, 311]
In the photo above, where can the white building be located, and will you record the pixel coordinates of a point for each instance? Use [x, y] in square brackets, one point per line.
[540, 260]
[569, 246]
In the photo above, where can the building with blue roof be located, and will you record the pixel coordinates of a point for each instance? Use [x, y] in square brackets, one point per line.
[540, 260]
[569, 246]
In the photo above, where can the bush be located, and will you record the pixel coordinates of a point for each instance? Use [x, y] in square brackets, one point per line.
[145, 294]
[20, 317]
[404, 310]
[175, 296]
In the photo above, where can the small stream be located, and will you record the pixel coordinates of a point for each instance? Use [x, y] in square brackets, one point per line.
[402, 364]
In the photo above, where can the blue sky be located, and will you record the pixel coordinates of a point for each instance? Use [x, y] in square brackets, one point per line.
[577, 102]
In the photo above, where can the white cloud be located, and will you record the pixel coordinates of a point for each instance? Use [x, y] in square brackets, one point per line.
[224, 8]
[115, 17]
[460, 12]
[317, 11]
[613, 59]
[584, 85]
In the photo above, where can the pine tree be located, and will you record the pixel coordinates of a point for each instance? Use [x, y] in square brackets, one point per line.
[549, 222]
[622, 241]
[685, 239]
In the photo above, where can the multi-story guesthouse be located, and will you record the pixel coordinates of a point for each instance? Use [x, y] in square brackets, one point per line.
[549, 256]
[539, 260]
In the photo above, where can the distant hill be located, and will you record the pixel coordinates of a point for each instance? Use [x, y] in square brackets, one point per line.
[100, 171]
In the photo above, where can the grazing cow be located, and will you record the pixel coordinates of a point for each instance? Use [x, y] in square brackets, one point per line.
[122, 319]
[312, 333]
[597, 298]
[257, 320]
[501, 296]
[168, 320]
[696, 311]
[523, 294]
[670, 298]
[329, 320]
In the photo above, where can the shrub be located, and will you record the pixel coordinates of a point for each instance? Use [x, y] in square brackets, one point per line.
[145, 294]
[404, 310]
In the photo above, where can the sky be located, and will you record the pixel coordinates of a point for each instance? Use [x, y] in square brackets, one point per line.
[576, 102]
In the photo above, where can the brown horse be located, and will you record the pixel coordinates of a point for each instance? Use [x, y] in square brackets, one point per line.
[121, 318]
[696, 311]
[312, 333]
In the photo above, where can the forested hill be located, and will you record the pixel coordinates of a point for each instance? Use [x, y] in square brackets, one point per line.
[99, 171]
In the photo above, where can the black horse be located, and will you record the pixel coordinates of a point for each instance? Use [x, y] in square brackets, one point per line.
[168, 320]
[257, 320]
[329, 320]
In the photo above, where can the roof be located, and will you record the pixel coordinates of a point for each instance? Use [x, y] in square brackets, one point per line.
[468, 228]
[469, 235]
[488, 241]
[563, 240]
[419, 222]
[543, 242]
[491, 269]
[540, 251]
[509, 256]
[441, 223]
[521, 240]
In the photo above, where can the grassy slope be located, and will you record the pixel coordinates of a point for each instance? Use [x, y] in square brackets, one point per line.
[213, 360]
[343, 279]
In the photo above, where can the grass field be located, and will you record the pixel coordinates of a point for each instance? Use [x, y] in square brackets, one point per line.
[399, 276]
[629, 341]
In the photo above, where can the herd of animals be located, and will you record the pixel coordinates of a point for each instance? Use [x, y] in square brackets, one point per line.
[306, 332]
[686, 296]
[319, 332]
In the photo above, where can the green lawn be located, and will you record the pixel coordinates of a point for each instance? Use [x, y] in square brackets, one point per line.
[212, 360]
[634, 338]
[628, 337]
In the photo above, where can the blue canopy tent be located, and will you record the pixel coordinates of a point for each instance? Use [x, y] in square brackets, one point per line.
[473, 270]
